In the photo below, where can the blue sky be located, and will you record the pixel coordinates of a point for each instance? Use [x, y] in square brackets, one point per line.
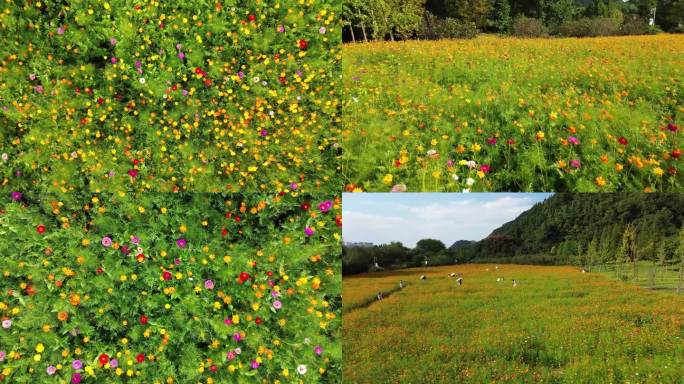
[408, 217]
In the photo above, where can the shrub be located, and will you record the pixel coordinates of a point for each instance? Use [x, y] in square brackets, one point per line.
[587, 27]
[638, 27]
[455, 29]
[528, 27]
[434, 28]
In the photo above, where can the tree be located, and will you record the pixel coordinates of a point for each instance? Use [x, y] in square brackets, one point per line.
[501, 16]
[406, 17]
[627, 251]
[592, 253]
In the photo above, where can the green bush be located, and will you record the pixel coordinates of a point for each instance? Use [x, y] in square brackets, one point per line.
[434, 28]
[638, 27]
[169, 288]
[590, 27]
[528, 27]
[454, 29]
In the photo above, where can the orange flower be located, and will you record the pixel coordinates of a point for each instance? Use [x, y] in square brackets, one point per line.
[62, 316]
[74, 299]
[600, 181]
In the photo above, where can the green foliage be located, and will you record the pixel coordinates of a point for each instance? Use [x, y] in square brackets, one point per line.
[528, 27]
[566, 225]
[586, 27]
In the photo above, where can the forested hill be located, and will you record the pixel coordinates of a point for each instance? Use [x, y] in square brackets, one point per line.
[568, 226]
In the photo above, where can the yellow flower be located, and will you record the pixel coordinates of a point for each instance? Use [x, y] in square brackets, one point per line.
[600, 181]
[183, 228]
[387, 179]
[40, 348]
[658, 171]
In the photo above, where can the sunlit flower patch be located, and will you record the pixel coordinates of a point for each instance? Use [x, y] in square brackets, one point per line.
[169, 96]
[169, 288]
[493, 114]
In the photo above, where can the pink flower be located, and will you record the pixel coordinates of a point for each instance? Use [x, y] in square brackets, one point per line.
[277, 304]
[575, 163]
[484, 168]
[230, 355]
[40, 89]
[573, 140]
[491, 140]
[208, 284]
[106, 241]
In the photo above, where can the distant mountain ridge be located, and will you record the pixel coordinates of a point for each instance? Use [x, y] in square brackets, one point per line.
[563, 226]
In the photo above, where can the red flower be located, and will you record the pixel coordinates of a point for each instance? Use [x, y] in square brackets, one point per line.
[213, 368]
[136, 161]
[198, 70]
[672, 127]
[303, 45]
[104, 359]
[251, 18]
[510, 141]
[167, 275]
[257, 320]
[622, 141]
[133, 172]
[140, 358]
[244, 276]
[237, 218]
[143, 319]
[228, 215]
[676, 153]
[224, 232]
[305, 206]
[41, 229]
[100, 100]
[99, 271]
[484, 168]
[338, 221]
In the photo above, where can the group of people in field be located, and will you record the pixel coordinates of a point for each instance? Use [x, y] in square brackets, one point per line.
[453, 275]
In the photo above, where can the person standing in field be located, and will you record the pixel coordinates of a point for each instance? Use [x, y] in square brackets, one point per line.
[459, 281]
[379, 295]
[401, 284]
[515, 283]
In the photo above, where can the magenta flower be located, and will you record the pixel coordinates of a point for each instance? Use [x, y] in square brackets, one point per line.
[325, 206]
[575, 163]
[254, 364]
[114, 60]
[309, 231]
[294, 186]
[181, 55]
[181, 243]
[236, 336]
[208, 284]
[491, 140]
[135, 240]
[318, 350]
[106, 241]
[281, 28]
[573, 140]
[228, 321]
[76, 378]
[133, 173]
[16, 196]
[263, 133]
[2, 356]
[484, 168]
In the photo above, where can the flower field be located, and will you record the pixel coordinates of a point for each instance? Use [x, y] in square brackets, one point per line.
[170, 288]
[558, 325]
[165, 96]
[506, 114]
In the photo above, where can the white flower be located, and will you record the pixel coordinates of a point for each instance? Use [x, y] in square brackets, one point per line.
[301, 369]
[454, 176]
[142, 80]
[5, 157]
[470, 181]
[256, 79]
[471, 164]
[431, 152]
[8, 323]
[466, 190]
[307, 340]
[237, 350]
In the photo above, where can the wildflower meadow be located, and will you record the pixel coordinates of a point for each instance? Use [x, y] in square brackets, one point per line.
[166, 96]
[508, 114]
[170, 288]
[554, 324]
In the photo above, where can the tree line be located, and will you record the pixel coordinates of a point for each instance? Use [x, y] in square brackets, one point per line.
[366, 20]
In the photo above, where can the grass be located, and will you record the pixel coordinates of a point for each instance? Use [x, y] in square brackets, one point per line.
[558, 326]
[506, 114]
